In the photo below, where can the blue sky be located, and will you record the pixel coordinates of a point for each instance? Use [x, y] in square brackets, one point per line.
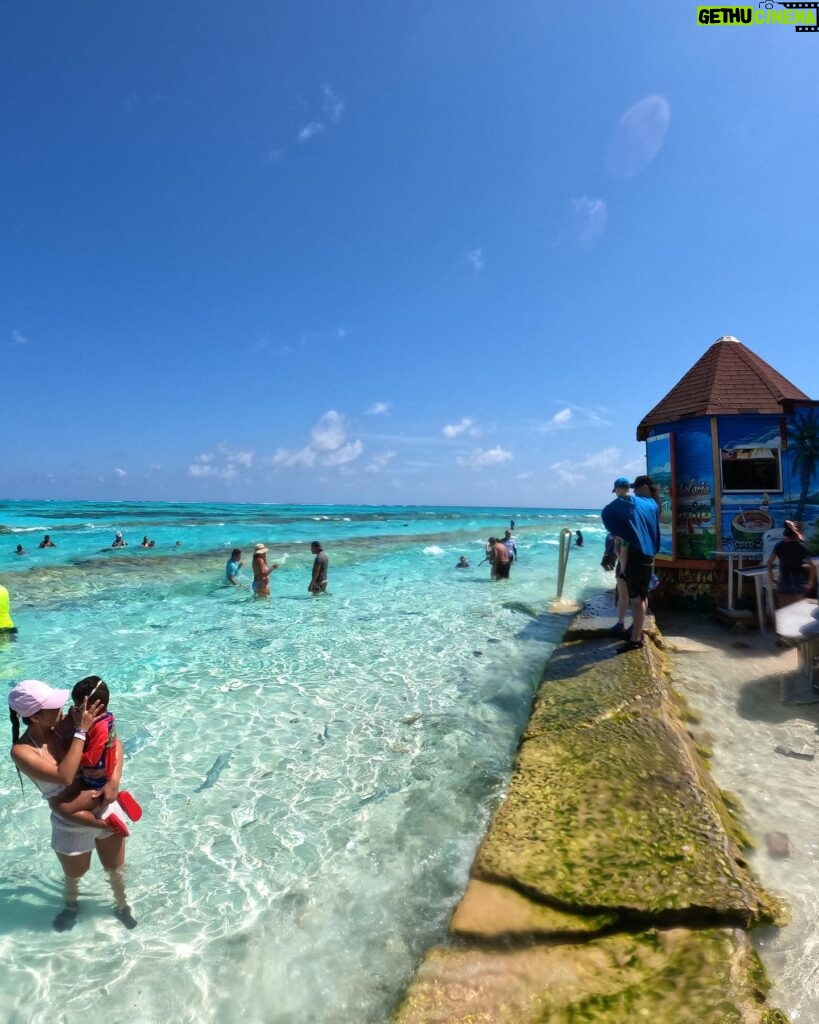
[386, 251]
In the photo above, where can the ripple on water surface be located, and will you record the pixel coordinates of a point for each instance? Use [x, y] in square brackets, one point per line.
[315, 773]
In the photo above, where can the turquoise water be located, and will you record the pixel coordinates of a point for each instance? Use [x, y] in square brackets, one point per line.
[365, 738]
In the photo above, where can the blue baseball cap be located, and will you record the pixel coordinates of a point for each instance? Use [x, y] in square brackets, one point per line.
[621, 481]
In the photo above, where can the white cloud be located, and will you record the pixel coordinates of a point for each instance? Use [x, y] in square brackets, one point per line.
[478, 459]
[379, 462]
[347, 453]
[329, 433]
[525, 476]
[302, 457]
[638, 137]
[570, 417]
[222, 463]
[18, 339]
[378, 409]
[605, 464]
[464, 426]
[567, 473]
[328, 445]
[586, 221]
[475, 257]
[311, 130]
[607, 459]
[333, 105]
[120, 472]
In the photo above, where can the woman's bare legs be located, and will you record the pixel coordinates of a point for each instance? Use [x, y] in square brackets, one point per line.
[74, 868]
[111, 852]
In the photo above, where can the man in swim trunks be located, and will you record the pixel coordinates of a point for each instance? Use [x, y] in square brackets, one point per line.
[47, 542]
[501, 560]
[318, 581]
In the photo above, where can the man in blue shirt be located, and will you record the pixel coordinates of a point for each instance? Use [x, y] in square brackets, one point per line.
[234, 564]
[637, 524]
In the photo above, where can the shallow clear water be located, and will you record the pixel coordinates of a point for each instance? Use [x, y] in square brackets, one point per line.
[368, 736]
[747, 694]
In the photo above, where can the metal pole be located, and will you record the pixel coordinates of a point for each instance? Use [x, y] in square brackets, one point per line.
[563, 558]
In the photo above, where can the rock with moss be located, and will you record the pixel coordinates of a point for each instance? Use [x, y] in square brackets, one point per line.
[711, 976]
[610, 809]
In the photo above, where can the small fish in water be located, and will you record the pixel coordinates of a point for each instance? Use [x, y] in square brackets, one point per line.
[216, 770]
[798, 754]
[478, 654]
[379, 795]
[492, 640]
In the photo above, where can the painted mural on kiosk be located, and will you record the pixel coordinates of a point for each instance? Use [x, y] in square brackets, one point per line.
[769, 472]
[660, 466]
[695, 531]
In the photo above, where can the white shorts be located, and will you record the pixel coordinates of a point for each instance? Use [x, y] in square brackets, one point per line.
[70, 838]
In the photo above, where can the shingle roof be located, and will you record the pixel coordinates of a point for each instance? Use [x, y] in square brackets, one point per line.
[728, 379]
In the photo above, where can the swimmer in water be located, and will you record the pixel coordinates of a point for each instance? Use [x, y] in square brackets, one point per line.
[261, 572]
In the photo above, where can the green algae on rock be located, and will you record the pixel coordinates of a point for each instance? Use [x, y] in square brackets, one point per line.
[711, 976]
[610, 808]
[489, 911]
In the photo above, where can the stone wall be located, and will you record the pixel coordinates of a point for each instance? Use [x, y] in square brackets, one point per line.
[611, 885]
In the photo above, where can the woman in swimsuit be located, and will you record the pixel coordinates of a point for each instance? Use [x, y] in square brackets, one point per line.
[261, 572]
[48, 751]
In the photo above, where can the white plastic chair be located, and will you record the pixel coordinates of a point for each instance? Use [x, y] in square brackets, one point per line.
[769, 540]
[759, 574]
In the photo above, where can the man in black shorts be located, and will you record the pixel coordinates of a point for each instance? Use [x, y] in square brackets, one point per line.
[637, 523]
[318, 581]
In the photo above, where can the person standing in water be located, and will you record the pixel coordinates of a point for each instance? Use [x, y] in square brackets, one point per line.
[47, 542]
[510, 545]
[261, 572]
[48, 751]
[234, 564]
[318, 581]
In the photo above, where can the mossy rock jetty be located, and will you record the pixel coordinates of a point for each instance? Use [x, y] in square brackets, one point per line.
[611, 885]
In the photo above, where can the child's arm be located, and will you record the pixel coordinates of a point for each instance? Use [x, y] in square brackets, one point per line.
[71, 803]
[79, 807]
[111, 788]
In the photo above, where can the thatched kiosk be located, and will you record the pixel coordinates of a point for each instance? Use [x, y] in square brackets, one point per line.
[735, 448]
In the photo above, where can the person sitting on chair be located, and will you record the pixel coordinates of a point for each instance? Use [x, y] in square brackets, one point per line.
[796, 571]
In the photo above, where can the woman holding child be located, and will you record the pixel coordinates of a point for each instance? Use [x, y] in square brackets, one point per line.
[49, 750]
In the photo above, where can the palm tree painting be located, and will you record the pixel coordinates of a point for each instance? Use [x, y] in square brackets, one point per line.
[803, 442]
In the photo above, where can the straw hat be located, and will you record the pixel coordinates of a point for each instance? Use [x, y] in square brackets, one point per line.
[260, 549]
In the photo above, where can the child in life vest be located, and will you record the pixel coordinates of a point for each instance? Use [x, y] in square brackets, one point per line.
[81, 800]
